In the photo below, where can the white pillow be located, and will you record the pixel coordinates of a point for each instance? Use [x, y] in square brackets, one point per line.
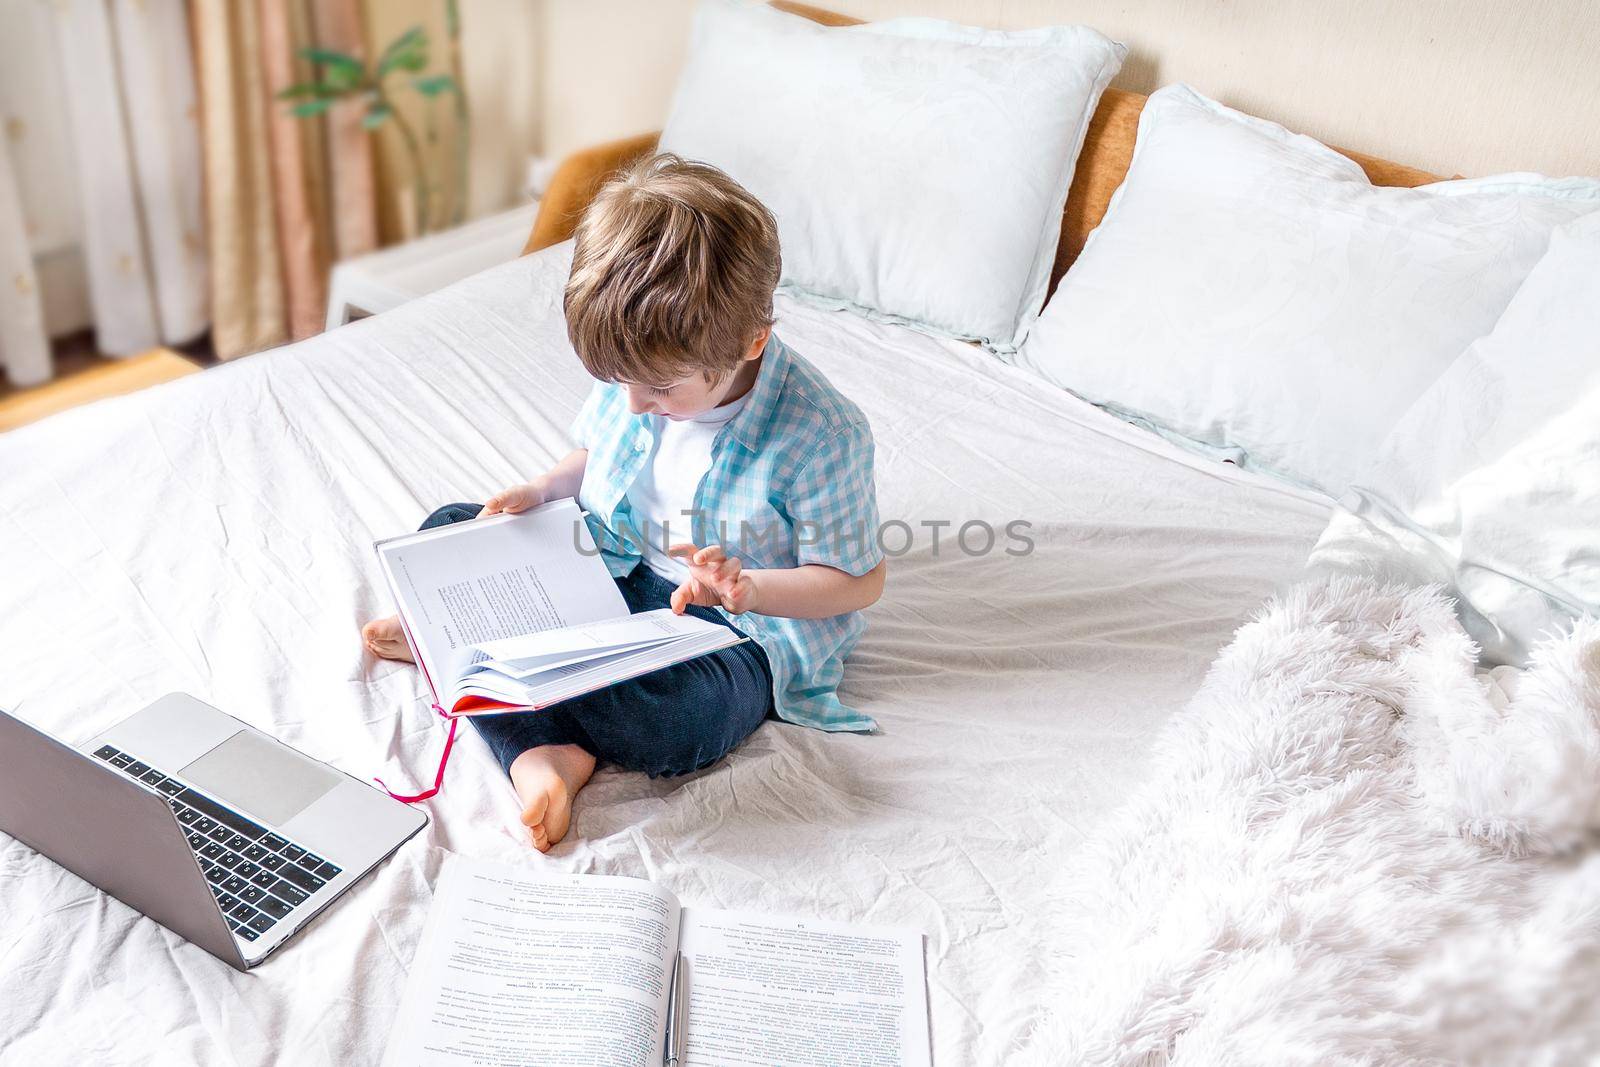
[917, 168]
[1490, 483]
[1251, 294]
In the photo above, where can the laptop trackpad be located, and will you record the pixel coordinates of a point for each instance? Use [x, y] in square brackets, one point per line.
[261, 776]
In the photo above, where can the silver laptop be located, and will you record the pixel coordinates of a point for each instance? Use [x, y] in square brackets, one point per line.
[205, 824]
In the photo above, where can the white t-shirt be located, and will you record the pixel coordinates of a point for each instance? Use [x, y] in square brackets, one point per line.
[666, 485]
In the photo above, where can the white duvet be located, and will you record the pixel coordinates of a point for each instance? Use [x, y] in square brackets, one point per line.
[214, 536]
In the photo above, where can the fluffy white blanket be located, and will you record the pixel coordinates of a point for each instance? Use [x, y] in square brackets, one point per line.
[1355, 849]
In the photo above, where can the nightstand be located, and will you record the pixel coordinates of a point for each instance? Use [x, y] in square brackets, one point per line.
[378, 281]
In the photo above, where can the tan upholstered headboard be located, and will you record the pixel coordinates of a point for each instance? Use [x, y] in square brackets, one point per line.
[1107, 148]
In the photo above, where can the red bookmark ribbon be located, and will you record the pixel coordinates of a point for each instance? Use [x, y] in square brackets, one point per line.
[438, 779]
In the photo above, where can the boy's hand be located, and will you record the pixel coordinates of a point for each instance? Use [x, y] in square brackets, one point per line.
[517, 498]
[714, 581]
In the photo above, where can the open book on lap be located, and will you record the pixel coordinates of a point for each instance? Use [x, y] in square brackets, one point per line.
[518, 612]
[577, 969]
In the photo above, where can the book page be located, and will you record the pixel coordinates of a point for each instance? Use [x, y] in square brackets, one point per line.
[520, 657]
[802, 993]
[562, 683]
[515, 969]
[489, 579]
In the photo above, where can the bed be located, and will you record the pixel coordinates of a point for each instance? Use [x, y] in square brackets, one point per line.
[1017, 695]
[214, 536]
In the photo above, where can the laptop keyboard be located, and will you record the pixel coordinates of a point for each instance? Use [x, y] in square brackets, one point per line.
[257, 876]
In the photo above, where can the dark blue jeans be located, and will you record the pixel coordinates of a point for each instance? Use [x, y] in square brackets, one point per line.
[671, 721]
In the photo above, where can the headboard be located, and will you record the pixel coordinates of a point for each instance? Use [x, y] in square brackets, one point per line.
[1107, 148]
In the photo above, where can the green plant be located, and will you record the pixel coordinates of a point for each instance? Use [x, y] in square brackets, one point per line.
[341, 76]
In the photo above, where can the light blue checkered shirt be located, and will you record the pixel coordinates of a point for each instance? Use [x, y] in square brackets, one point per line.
[790, 483]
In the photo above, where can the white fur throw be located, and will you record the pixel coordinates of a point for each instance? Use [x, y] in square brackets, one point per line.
[1355, 849]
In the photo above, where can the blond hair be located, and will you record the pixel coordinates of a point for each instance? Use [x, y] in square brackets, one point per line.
[673, 272]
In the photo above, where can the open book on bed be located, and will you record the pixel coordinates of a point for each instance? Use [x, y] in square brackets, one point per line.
[518, 968]
[518, 612]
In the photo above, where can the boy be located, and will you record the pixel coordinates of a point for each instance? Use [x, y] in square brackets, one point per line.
[723, 475]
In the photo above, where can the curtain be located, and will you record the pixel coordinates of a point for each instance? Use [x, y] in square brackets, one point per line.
[100, 215]
[298, 173]
[165, 189]
[24, 349]
[129, 91]
[285, 197]
[337, 25]
[248, 301]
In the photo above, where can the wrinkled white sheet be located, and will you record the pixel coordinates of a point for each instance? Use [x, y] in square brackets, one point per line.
[214, 536]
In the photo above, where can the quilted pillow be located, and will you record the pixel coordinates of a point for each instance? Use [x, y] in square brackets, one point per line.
[918, 169]
[1251, 295]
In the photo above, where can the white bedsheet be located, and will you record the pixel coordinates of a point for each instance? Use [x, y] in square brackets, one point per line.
[214, 536]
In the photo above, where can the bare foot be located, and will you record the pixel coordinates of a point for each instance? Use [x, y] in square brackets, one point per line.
[385, 638]
[546, 779]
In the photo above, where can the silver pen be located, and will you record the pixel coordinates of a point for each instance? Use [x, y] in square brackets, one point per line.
[675, 1014]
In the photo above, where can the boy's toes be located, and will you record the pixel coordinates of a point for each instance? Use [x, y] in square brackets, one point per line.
[385, 638]
[533, 813]
[546, 796]
[533, 818]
